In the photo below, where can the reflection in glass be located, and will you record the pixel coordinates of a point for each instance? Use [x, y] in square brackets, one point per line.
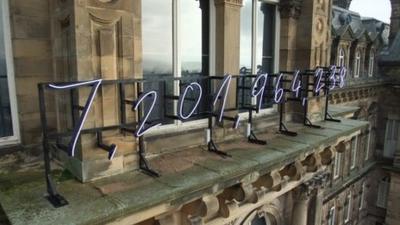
[191, 46]
[157, 52]
[245, 37]
[6, 128]
[265, 37]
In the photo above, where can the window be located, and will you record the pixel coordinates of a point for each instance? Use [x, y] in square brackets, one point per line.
[383, 191]
[258, 36]
[337, 165]
[347, 208]
[391, 138]
[354, 152]
[362, 196]
[175, 36]
[9, 132]
[357, 64]
[331, 216]
[341, 58]
[368, 145]
[371, 64]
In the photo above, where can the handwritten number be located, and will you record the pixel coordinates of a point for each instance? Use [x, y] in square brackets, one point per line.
[141, 129]
[78, 128]
[278, 90]
[258, 89]
[190, 87]
[296, 83]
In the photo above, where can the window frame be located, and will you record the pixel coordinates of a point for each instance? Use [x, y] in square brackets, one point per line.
[332, 216]
[341, 57]
[178, 125]
[349, 206]
[371, 63]
[176, 64]
[354, 148]
[254, 23]
[337, 165]
[368, 145]
[357, 64]
[362, 196]
[15, 139]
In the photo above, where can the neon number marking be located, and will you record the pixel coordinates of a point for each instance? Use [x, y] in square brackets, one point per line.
[258, 88]
[226, 82]
[191, 86]
[332, 77]
[318, 85]
[296, 84]
[278, 90]
[342, 76]
[141, 130]
[85, 111]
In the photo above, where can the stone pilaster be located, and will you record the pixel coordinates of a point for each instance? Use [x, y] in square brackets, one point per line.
[97, 39]
[227, 44]
[290, 11]
[227, 13]
[300, 208]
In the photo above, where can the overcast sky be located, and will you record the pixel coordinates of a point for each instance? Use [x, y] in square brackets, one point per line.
[378, 9]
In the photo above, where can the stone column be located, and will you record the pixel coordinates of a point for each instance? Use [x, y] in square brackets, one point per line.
[318, 207]
[290, 11]
[394, 20]
[300, 208]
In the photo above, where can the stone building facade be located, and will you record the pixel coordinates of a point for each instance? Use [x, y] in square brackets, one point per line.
[344, 173]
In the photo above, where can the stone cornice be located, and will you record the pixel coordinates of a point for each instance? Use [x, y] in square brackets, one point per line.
[290, 8]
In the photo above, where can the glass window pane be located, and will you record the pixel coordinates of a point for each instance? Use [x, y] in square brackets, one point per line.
[245, 37]
[157, 51]
[191, 42]
[6, 128]
[265, 37]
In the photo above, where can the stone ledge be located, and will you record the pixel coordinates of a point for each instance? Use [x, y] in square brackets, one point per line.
[190, 175]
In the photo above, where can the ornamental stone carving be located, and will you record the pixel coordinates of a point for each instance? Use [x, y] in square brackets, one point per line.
[290, 8]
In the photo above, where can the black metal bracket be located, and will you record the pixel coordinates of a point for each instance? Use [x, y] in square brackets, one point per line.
[308, 123]
[111, 149]
[283, 130]
[212, 147]
[252, 138]
[328, 117]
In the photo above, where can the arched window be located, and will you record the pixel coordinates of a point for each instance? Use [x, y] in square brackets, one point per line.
[357, 64]
[371, 64]
[341, 57]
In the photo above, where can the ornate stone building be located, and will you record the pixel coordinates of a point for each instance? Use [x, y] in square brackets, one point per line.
[197, 171]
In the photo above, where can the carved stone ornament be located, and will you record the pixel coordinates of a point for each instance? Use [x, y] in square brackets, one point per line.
[290, 8]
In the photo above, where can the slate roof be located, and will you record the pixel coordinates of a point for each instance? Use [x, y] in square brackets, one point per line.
[344, 20]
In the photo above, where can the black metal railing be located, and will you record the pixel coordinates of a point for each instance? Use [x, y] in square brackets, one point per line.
[244, 84]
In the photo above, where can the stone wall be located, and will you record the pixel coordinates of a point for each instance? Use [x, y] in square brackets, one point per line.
[32, 51]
